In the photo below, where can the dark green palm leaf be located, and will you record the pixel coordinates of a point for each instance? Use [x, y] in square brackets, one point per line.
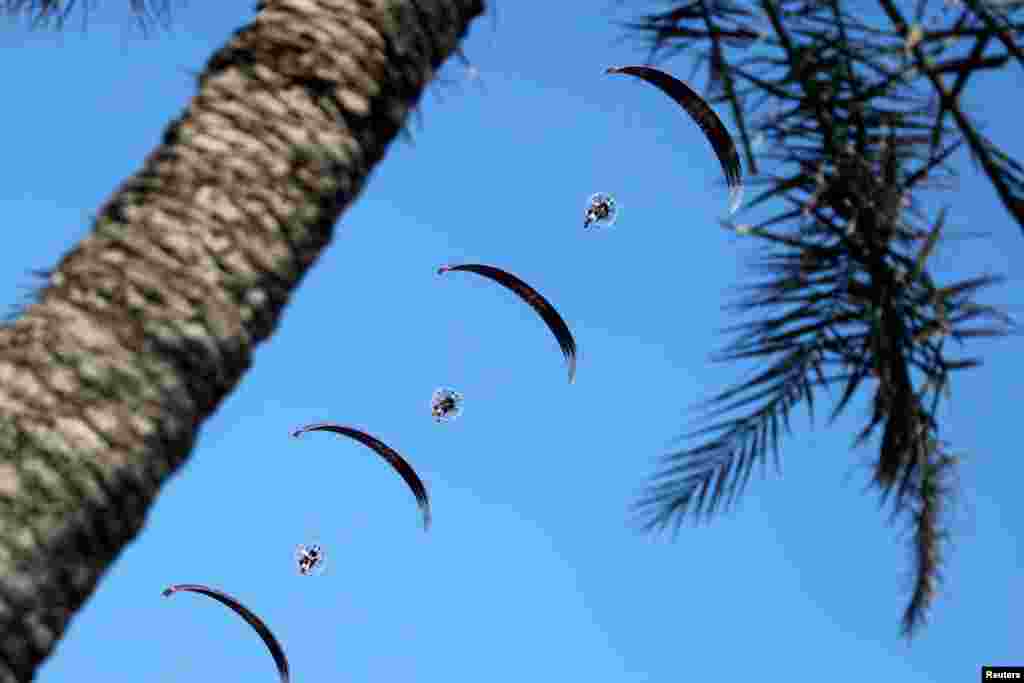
[845, 295]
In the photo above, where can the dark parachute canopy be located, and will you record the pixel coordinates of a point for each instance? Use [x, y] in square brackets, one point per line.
[699, 110]
[276, 651]
[389, 454]
[531, 296]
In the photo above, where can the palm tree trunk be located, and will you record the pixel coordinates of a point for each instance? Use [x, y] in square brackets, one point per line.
[152, 319]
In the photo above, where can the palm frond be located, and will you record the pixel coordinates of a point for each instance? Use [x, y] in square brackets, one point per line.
[846, 296]
[55, 13]
[709, 478]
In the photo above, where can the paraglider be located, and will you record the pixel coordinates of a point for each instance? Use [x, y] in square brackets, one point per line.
[528, 294]
[276, 651]
[601, 211]
[310, 559]
[445, 404]
[399, 463]
[699, 110]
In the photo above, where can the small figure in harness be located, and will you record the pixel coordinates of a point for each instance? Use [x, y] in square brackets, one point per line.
[310, 559]
[445, 405]
[601, 211]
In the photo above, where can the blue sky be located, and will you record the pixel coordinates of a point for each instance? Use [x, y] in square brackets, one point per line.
[530, 571]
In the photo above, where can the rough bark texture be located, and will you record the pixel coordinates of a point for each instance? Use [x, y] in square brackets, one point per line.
[151, 320]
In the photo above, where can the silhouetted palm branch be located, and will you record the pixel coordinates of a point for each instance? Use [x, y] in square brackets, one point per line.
[55, 13]
[855, 128]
